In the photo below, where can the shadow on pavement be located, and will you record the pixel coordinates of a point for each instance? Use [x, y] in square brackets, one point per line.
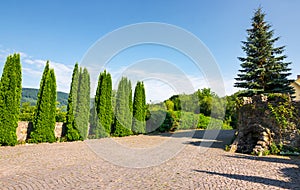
[292, 172]
[256, 179]
[207, 138]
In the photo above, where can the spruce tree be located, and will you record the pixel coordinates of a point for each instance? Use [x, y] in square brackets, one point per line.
[103, 103]
[139, 109]
[10, 97]
[83, 103]
[72, 133]
[123, 109]
[44, 119]
[263, 68]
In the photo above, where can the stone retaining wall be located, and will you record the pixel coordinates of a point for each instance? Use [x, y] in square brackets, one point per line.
[24, 127]
[258, 128]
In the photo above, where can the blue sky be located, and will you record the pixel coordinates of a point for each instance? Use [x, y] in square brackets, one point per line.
[63, 31]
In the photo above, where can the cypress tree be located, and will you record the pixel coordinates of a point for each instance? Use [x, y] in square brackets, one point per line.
[44, 119]
[10, 97]
[123, 112]
[139, 109]
[72, 133]
[103, 103]
[263, 68]
[96, 130]
[83, 103]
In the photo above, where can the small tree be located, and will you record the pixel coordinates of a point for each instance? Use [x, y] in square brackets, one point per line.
[123, 112]
[72, 133]
[44, 119]
[103, 104]
[263, 68]
[83, 103]
[10, 97]
[139, 109]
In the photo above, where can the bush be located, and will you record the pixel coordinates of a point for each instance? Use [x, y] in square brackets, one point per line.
[188, 120]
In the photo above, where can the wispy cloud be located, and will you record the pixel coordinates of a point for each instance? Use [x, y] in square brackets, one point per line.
[32, 70]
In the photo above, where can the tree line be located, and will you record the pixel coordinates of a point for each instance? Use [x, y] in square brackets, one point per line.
[81, 119]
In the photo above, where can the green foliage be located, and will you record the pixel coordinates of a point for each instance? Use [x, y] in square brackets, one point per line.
[103, 104]
[169, 105]
[44, 119]
[123, 110]
[156, 118]
[163, 121]
[82, 113]
[10, 96]
[188, 120]
[72, 133]
[96, 129]
[60, 115]
[27, 112]
[274, 149]
[263, 68]
[282, 112]
[139, 109]
[203, 121]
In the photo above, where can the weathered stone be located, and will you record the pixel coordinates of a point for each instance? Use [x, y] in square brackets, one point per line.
[258, 128]
[24, 128]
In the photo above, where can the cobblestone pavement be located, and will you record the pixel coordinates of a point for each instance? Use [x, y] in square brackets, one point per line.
[74, 165]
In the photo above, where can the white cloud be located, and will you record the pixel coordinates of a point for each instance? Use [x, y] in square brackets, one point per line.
[31, 72]
[32, 69]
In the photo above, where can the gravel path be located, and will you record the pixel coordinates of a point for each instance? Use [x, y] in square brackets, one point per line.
[75, 165]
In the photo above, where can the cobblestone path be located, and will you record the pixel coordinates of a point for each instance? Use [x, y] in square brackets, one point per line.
[75, 166]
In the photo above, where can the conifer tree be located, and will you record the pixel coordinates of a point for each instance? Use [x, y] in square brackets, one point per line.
[139, 109]
[123, 112]
[263, 68]
[83, 103]
[10, 97]
[103, 103]
[44, 119]
[72, 133]
[96, 130]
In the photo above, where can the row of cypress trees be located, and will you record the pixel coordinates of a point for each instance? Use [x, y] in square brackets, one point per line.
[129, 117]
[126, 117]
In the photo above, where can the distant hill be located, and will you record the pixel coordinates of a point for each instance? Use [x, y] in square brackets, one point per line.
[30, 95]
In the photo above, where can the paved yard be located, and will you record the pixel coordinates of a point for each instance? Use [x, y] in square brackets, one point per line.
[79, 165]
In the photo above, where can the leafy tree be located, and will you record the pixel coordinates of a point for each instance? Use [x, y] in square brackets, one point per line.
[103, 102]
[26, 112]
[72, 133]
[263, 68]
[10, 97]
[82, 114]
[44, 119]
[123, 113]
[139, 109]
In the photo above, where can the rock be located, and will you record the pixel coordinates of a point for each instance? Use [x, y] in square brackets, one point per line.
[258, 128]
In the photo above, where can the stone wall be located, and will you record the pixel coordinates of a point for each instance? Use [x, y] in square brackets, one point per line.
[258, 128]
[24, 127]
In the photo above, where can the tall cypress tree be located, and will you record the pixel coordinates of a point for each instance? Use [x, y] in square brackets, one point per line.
[263, 68]
[139, 109]
[72, 133]
[10, 97]
[103, 103]
[123, 109]
[44, 119]
[83, 103]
